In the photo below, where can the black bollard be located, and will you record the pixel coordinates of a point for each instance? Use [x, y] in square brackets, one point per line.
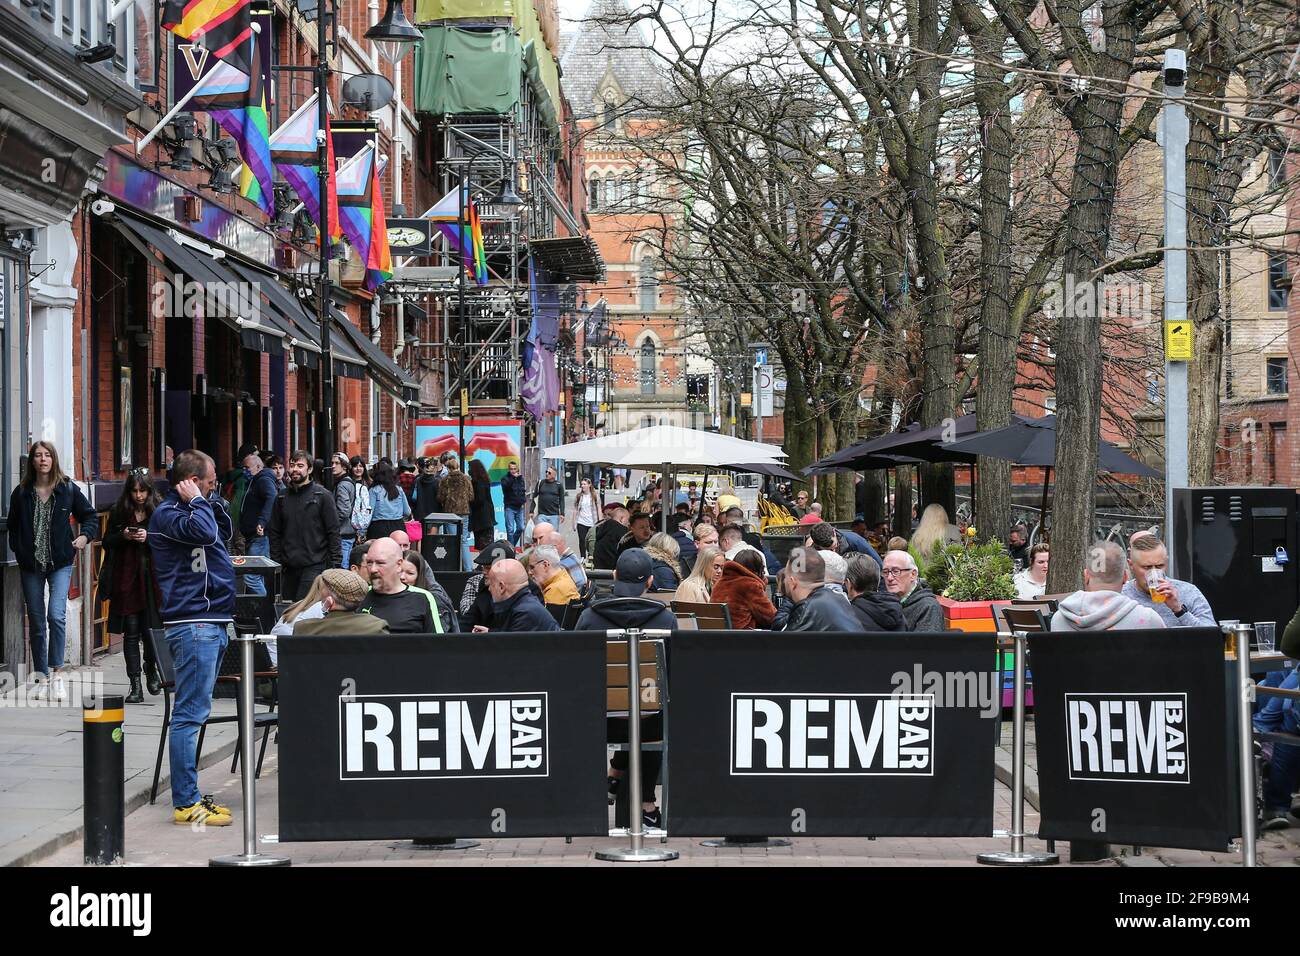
[104, 779]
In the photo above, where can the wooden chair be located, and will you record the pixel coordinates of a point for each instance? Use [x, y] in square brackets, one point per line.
[663, 597]
[687, 622]
[1028, 618]
[708, 617]
[654, 698]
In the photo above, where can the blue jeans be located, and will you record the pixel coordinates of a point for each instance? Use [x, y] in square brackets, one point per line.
[255, 582]
[1280, 714]
[47, 624]
[515, 522]
[196, 653]
[553, 520]
[347, 545]
[466, 538]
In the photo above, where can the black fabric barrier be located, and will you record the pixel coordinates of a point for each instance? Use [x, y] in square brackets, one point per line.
[494, 735]
[831, 734]
[1133, 735]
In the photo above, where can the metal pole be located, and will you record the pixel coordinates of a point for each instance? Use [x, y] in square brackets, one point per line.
[1017, 855]
[325, 432]
[1245, 743]
[460, 311]
[638, 853]
[104, 780]
[250, 856]
[1173, 129]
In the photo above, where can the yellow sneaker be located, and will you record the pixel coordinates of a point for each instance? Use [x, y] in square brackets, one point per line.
[210, 802]
[202, 813]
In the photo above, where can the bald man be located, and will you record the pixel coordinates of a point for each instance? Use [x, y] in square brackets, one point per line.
[402, 538]
[541, 530]
[515, 609]
[407, 610]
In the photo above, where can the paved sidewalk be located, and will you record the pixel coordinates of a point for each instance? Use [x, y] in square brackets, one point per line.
[41, 758]
[153, 840]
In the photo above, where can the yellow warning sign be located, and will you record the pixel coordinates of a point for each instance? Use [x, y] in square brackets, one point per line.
[464, 403]
[1178, 341]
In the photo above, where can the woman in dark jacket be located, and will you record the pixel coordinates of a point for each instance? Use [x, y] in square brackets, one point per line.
[743, 588]
[482, 512]
[40, 539]
[127, 580]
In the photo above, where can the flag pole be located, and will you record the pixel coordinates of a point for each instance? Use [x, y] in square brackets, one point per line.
[325, 379]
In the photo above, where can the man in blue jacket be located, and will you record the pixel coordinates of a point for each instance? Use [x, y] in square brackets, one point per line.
[514, 495]
[187, 537]
[255, 515]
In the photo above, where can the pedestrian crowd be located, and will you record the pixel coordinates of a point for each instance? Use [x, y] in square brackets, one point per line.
[348, 567]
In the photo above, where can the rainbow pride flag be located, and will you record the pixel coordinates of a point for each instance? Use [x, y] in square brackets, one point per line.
[293, 151]
[362, 217]
[224, 26]
[237, 101]
[445, 214]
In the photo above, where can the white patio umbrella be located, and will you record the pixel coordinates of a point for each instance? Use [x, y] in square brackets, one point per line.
[666, 447]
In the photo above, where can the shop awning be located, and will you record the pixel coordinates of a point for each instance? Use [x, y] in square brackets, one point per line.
[303, 329]
[386, 373]
[575, 258]
[224, 294]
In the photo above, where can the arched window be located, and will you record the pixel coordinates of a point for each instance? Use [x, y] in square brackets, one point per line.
[648, 372]
[593, 194]
[649, 283]
[608, 113]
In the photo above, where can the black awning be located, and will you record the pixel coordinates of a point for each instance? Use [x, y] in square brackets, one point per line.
[386, 373]
[224, 296]
[302, 327]
[575, 258]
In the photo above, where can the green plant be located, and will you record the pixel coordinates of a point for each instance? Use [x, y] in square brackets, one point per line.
[971, 572]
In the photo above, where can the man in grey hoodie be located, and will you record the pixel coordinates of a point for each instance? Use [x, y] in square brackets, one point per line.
[1100, 606]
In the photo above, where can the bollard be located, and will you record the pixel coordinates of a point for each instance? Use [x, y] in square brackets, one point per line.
[103, 779]
[638, 852]
[1018, 855]
[247, 769]
[1245, 742]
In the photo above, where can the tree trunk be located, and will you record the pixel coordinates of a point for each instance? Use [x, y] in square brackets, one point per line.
[1096, 122]
[798, 441]
[902, 523]
[997, 341]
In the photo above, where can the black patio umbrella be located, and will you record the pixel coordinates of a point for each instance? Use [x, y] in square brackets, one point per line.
[768, 469]
[1031, 442]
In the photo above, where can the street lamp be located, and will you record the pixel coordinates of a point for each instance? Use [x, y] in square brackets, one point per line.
[394, 35]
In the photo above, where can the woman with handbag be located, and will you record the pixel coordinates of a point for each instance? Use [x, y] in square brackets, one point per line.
[127, 579]
[389, 508]
[40, 539]
[352, 496]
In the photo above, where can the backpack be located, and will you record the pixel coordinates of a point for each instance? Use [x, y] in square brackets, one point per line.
[361, 508]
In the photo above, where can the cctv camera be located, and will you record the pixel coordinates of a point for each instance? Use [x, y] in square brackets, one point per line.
[102, 207]
[1175, 72]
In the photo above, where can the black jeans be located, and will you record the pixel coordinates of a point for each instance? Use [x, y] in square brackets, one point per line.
[582, 540]
[295, 582]
[652, 731]
[133, 638]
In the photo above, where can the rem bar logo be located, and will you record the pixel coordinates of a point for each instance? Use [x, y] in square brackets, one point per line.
[1132, 737]
[443, 736]
[833, 735]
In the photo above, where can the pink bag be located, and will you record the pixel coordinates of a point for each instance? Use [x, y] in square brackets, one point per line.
[414, 531]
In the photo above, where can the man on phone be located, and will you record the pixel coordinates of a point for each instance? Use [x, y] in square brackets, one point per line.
[255, 516]
[196, 579]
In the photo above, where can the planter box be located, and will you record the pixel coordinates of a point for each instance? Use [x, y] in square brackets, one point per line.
[971, 616]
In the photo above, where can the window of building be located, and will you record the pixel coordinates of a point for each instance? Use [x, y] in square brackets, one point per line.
[1279, 283]
[593, 194]
[609, 114]
[648, 366]
[647, 421]
[649, 283]
[1276, 168]
[1276, 376]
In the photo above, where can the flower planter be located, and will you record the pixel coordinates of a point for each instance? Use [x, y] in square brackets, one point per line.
[976, 617]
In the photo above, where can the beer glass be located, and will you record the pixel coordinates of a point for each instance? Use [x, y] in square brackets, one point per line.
[1154, 577]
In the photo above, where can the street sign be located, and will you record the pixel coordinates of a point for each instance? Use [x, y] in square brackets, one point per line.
[1178, 340]
[763, 391]
[760, 357]
[464, 403]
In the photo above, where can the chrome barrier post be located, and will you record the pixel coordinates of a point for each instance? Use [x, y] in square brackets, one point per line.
[250, 856]
[1018, 855]
[1245, 741]
[638, 852]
